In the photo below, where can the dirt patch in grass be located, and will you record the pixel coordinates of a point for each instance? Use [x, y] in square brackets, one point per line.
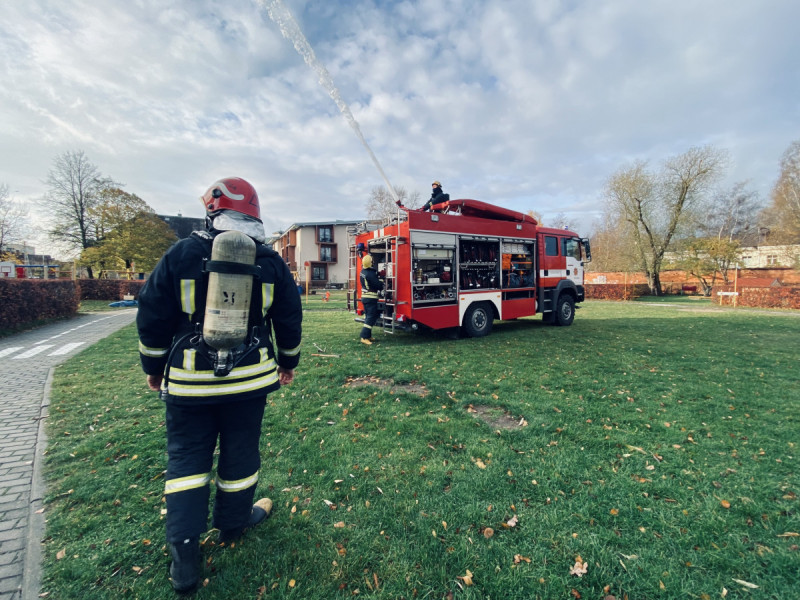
[417, 389]
[496, 417]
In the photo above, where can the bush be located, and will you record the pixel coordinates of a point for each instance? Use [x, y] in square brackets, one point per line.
[615, 291]
[109, 289]
[762, 297]
[26, 301]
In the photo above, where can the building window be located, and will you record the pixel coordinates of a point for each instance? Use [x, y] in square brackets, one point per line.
[327, 253]
[325, 234]
[772, 259]
[319, 273]
[550, 245]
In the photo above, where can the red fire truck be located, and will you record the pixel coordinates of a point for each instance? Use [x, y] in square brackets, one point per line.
[467, 264]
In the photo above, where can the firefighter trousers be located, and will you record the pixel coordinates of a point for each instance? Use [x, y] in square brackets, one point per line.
[370, 316]
[192, 433]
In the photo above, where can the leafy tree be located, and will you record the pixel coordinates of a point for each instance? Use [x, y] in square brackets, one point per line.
[129, 233]
[708, 258]
[75, 190]
[381, 204]
[656, 204]
[782, 216]
[12, 219]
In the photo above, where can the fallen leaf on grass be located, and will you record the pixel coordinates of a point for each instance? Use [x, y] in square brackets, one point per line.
[339, 525]
[488, 532]
[61, 554]
[746, 584]
[518, 558]
[579, 568]
[480, 464]
[725, 504]
[512, 522]
[467, 579]
[575, 594]
[789, 534]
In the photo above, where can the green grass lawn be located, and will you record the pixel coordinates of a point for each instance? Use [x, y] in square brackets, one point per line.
[653, 444]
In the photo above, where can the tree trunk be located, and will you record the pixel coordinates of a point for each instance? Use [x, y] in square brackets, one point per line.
[654, 283]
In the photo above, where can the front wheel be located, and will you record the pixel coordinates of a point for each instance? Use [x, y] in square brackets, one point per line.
[565, 310]
[478, 320]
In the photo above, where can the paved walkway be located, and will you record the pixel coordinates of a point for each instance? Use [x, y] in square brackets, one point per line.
[27, 361]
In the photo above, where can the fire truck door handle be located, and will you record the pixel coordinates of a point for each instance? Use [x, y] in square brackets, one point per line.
[567, 271]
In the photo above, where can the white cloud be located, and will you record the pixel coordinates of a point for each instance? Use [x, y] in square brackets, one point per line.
[531, 105]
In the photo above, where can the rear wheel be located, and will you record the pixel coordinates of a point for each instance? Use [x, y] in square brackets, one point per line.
[478, 320]
[565, 310]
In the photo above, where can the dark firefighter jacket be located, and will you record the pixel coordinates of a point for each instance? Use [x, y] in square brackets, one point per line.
[171, 308]
[370, 284]
[437, 197]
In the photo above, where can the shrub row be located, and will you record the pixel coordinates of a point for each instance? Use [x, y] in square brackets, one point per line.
[109, 289]
[615, 291]
[768, 297]
[24, 301]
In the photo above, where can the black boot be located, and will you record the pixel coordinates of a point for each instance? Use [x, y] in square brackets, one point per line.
[185, 568]
[261, 511]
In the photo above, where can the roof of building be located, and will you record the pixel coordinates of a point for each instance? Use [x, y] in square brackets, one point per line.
[183, 226]
[317, 223]
[758, 282]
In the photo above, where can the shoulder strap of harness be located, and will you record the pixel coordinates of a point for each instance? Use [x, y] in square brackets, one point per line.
[229, 267]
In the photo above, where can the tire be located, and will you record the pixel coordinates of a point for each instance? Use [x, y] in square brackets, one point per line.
[478, 320]
[565, 310]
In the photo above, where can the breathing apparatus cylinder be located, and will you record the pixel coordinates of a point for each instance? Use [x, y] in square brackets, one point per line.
[228, 297]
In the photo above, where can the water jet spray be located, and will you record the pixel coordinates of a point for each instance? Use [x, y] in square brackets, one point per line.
[290, 30]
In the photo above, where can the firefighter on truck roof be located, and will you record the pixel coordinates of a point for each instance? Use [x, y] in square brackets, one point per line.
[215, 394]
[370, 286]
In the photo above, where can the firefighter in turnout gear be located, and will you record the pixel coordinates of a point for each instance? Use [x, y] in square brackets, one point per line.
[216, 394]
[370, 286]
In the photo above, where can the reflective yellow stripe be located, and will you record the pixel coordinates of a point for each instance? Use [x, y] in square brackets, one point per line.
[188, 359]
[178, 374]
[238, 485]
[187, 296]
[367, 326]
[369, 295]
[190, 482]
[290, 351]
[154, 352]
[204, 383]
[266, 297]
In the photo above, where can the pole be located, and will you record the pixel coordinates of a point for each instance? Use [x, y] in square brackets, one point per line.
[735, 284]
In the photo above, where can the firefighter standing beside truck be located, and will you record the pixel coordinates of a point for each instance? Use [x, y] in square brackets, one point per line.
[214, 395]
[370, 286]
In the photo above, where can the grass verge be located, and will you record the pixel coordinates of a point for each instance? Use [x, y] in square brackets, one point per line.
[654, 445]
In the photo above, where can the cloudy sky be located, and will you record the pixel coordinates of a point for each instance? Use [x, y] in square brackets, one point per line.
[529, 104]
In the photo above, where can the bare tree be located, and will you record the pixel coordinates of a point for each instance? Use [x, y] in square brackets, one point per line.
[782, 216]
[656, 204]
[613, 248]
[75, 190]
[382, 206]
[731, 214]
[562, 221]
[13, 220]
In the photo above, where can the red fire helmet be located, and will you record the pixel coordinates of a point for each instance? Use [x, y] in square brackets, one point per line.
[232, 193]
